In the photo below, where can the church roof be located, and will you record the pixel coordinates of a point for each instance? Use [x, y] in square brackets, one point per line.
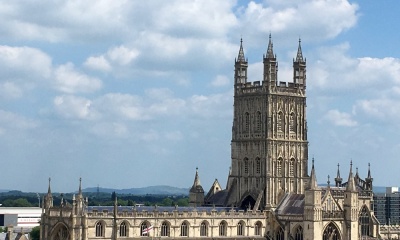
[291, 204]
[159, 208]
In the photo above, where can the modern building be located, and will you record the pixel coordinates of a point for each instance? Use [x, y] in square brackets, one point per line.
[387, 206]
[20, 217]
[270, 193]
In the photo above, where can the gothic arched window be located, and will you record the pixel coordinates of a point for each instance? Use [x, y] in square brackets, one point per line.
[184, 229]
[222, 228]
[246, 165]
[279, 166]
[280, 122]
[280, 234]
[99, 229]
[259, 121]
[143, 228]
[203, 229]
[292, 167]
[331, 232]
[363, 221]
[240, 228]
[258, 165]
[165, 229]
[257, 229]
[62, 233]
[122, 230]
[247, 122]
[292, 122]
[299, 233]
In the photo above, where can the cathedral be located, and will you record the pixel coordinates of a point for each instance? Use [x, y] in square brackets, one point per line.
[270, 192]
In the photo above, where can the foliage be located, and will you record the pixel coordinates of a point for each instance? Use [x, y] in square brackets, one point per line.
[35, 233]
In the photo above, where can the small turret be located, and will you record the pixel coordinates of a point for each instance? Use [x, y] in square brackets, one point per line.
[299, 68]
[48, 201]
[338, 179]
[196, 193]
[369, 179]
[351, 186]
[312, 185]
[270, 65]
[240, 67]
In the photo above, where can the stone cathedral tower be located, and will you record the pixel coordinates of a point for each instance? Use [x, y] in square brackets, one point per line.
[269, 134]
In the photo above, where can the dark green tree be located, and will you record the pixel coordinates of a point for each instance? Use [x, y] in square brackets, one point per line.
[35, 233]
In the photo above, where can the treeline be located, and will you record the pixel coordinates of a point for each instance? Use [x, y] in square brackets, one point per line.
[20, 199]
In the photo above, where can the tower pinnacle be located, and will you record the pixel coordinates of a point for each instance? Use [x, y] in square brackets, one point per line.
[241, 57]
[313, 179]
[350, 183]
[299, 56]
[270, 50]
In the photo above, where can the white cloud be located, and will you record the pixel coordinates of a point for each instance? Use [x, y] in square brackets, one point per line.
[14, 121]
[293, 18]
[74, 107]
[98, 63]
[340, 118]
[382, 109]
[220, 81]
[122, 55]
[10, 90]
[68, 80]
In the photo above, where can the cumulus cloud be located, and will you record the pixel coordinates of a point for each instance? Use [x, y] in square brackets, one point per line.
[340, 118]
[220, 81]
[293, 18]
[98, 63]
[68, 80]
[14, 121]
[74, 107]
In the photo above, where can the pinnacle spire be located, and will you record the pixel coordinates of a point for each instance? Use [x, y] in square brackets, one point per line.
[369, 171]
[350, 183]
[80, 187]
[49, 189]
[299, 56]
[313, 179]
[270, 51]
[196, 178]
[338, 179]
[241, 57]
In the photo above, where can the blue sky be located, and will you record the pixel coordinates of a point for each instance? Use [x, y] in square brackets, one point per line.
[137, 93]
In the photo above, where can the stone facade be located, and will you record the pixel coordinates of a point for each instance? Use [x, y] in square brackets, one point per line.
[269, 193]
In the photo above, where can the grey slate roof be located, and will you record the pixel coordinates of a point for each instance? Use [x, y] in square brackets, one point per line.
[291, 204]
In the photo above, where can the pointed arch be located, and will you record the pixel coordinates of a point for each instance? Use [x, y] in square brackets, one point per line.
[364, 220]
[222, 228]
[298, 233]
[258, 121]
[258, 165]
[258, 228]
[60, 232]
[247, 122]
[123, 229]
[100, 227]
[204, 229]
[280, 234]
[280, 122]
[241, 228]
[292, 122]
[331, 232]
[143, 226]
[246, 165]
[185, 229]
[165, 229]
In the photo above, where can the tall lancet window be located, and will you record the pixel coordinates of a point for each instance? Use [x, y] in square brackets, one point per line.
[247, 122]
[292, 122]
[280, 122]
[259, 120]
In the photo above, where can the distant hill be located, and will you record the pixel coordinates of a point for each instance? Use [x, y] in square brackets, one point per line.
[152, 190]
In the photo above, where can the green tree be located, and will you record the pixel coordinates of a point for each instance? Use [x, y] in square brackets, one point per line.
[167, 202]
[183, 202]
[35, 233]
